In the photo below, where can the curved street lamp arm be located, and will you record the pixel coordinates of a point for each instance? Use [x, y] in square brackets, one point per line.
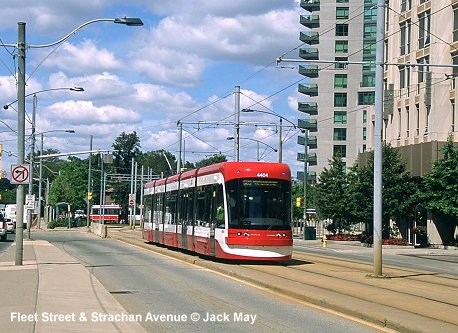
[6, 106]
[71, 33]
[271, 113]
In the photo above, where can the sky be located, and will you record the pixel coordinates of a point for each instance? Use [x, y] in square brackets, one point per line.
[182, 65]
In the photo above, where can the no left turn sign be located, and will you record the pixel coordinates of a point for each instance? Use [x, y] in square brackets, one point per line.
[20, 174]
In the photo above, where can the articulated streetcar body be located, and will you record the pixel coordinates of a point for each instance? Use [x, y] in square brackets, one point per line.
[232, 210]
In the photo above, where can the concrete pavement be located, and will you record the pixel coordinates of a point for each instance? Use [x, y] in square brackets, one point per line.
[53, 292]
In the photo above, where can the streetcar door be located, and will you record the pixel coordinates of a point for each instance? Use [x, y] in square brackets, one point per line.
[217, 214]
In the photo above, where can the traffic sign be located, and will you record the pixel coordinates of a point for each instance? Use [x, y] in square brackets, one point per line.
[29, 201]
[131, 199]
[20, 174]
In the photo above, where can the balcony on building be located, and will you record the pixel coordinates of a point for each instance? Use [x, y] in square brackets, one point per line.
[308, 107]
[309, 124]
[310, 21]
[310, 5]
[311, 176]
[309, 70]
[311, 158]
[308, 89]
[310, 53]
[312, 141]
[310, 37]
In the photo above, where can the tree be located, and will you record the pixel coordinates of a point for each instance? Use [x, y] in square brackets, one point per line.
[7, 191]
[440, 192]
[330, 198]
[158, 161]
[217, 158]
[399, 190]
[126, 146]
[70, 185]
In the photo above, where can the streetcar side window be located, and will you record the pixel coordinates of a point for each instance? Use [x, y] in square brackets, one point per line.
[186, 206]
[171, 207]
[218, 206]
[148, 202]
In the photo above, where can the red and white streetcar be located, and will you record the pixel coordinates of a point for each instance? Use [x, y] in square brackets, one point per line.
[105, 213]
[231, 210]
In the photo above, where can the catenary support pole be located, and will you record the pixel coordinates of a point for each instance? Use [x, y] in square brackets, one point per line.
[20, 143]
[380, 35]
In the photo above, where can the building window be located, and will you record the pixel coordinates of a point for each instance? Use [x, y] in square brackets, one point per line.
[399, 124]
[340, 100]
[407, 121]
[369, 67]
[370, 14]
[340, 150]
[455, 24]
[406, 5]
[417, 108]
[340, 117]
[342, 1]
[342, 13]
[370, 30]
[422, 69]
[341, 64]
[369, 48]
[341, 46]
[453, 115]
[340, 81]
[341, 29]
[368, 80]
[364, 148]
[364, 133]
[366, 98]
[424, 25]
[364, 116]
[428, 112]
[340, 134]
[404, 77]
[405, 37]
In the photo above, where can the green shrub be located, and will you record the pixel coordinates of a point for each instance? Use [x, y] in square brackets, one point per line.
[58, 223]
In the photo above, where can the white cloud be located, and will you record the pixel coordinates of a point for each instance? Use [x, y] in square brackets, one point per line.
[84, 57]
[85, 112]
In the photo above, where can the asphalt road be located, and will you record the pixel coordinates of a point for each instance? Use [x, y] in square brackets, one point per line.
[190, 298]
[7, 243]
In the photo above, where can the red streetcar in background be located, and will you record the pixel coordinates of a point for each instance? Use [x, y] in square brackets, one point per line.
[231, 210]
[106, 213]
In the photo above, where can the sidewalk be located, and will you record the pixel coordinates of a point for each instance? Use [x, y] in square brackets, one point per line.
[406, 300]
[52, 292]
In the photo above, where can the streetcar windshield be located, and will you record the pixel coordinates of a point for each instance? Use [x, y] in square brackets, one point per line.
[259, 204]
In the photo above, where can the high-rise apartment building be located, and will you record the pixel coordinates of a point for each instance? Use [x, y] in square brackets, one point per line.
[339, 88]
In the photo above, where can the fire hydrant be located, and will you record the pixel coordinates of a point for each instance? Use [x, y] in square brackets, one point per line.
[324, 241]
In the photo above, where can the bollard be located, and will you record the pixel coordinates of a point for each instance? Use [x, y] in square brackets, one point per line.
[324, 241]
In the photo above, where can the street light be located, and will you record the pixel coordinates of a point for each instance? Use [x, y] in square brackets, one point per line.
[257, 142]
[41, 171]
[32, 144]
[280, 140]
[21, 47]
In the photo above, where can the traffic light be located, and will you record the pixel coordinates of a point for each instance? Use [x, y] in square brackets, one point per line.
[89, 196]
[298, 202]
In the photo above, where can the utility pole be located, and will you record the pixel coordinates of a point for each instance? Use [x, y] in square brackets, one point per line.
[89, 187]
[380, 41]
[306, 134]
[32, 155]
[180, 138]
[131, 191]
[20, 142]
[280, 141]
[237, 125]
